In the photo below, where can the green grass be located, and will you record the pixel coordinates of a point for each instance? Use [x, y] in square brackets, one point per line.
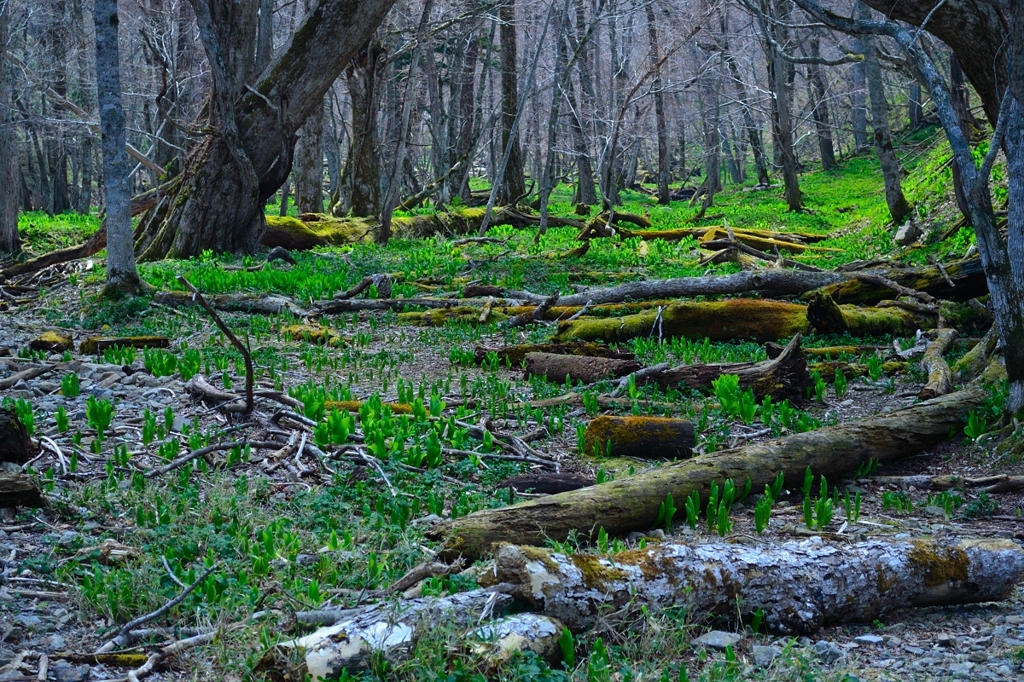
[40, 232]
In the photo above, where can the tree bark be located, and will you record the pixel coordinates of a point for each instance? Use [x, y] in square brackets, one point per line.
[860, 102]
[309, 165]
[798, 587]
[9, 154]
[892, 172]
[18, 490]
[659, 109]
[513, 183]
[559, 367]
[822, 120]
[940, 378]
[752, 129]
[122, 276]
[782, 102]
[639, 437]
[219, 202]
[362, 172]
[632, 503]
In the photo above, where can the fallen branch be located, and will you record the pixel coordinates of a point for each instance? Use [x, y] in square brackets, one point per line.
[798, 587]
[632, 503]
[940, 378]
[195, 454]
[536, 314]
[231, 337]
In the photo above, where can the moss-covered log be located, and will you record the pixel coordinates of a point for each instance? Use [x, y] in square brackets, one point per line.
[828, 317]
[97, 344]
[640, 437]
[783, 377]
[799, 587]
[678, 234]
[631, 503]
[589, 370]
[966, 280]
[739, 318]
[547, 482]
[827, 370]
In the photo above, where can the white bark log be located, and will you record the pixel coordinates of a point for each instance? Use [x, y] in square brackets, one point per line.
[801, 586]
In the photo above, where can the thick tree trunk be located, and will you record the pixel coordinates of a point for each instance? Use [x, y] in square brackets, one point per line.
[797, 587]
[632, 503]
[782, 102]
[121, 273]
[9, 155]
[892, 172]
[362, 172]
[513, 183]
[218, 204]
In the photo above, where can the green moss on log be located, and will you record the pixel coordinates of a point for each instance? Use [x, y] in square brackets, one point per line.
[642, 437]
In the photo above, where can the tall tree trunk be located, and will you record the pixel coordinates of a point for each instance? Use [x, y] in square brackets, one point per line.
[892, 172]
[547, 175]
[586, 191]
[309, 165]
[860, 102]
[753, 131]
[363, 165]
[56, 40]
[915, 113]
[265, 36]
[782, 102]
[9, 156]
[822, 120]
[659, 109]
[121, 274]
[218, 202]
[84, 202]
[960, 96]
[513, 182]
[461, 130]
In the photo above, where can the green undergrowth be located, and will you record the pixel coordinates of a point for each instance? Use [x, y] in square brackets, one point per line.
[41, 233]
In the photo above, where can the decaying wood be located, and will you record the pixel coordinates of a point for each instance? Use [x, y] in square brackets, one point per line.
[1001, 483]
[32, 373]
[18, 490]
[974, 361]
[15, 445]
[266, 304]
[95, 345]
[498, 642]
[533, 315]
[799, 587]
[577, 367]
[200, 388]
[940, 378]
[388, 630]
[515, 355]
[783, 377]
[632, 503]
[640, 437]
[828, 317]
[547, 482]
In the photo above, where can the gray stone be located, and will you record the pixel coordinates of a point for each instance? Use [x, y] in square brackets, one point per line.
[869, 639]
[101, 393]
[960, 669]
[1015, 620]
[764, 655]
[71, 673]
[717, 639]
[978, 657]
[908, 233]
[56, 643]
[916, 650]
[29, 621]
[828, 652]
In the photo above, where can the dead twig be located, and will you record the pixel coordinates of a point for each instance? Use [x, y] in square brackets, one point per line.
[535, 314]
[231, 337]
[195, 454]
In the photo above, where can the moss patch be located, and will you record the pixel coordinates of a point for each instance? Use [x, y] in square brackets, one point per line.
[940, 564]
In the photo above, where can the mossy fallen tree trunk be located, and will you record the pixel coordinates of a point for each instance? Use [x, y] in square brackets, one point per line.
[515, 355]
[317, 229]
[940, 377]
[828, 317]
[799, 587]
[959, 281]
[640, 437]
[632, 503]
[783, 377]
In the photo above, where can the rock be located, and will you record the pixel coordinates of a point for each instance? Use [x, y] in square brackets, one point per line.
[71, 673]
[978, 657]
[101, 393]
[718, 639]
[945, 641]
[1014, 620]
[764, 655]
[428, 520]
[827, 651]
[28, 621]
[869, 639]
[53, 342]
[916, 650]
[908, 233]
[960, 669]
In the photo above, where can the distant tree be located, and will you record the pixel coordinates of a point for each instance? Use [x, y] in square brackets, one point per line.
[10, 182]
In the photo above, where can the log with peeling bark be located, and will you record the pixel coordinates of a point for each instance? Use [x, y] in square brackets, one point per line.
[799, 587]
[640, 437]
[1001, 483]
[974, 361]
[940, 378]
[632, 503]
[557, 368]
[783, 377]
[266, 304]
[388, 630]
[18, 490]
[515, 355]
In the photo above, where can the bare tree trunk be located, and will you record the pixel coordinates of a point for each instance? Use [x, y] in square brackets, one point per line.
[782, 101]
[265, 36]
[892, 172]
[461, 127]
[586, 191]
[659, 110]
[753, 131]
[9, 156]
[915, 114]
[822, 120]
[960, 96]
[709, 115]
[309, 165]
[860, 102]
[363, 165]
[547, 175]
[121, 274]
[513, 183]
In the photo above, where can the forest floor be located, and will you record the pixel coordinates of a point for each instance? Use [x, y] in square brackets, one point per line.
[276, 532]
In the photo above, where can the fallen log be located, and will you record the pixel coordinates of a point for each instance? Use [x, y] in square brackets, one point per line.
[1001, 483]
[828, 317]
[976, 360]
[18, 490]
[632, 503]
[589, 370]
[785, 376]
[266, 304]
[547, 482]
[97, 344]
[739, 318]
[799, 587]
[940, 378]
[639, 437]
[678, 234]
[960, 281]
[827, 370]
[763, 244]
[514, 356]
[389, 631]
